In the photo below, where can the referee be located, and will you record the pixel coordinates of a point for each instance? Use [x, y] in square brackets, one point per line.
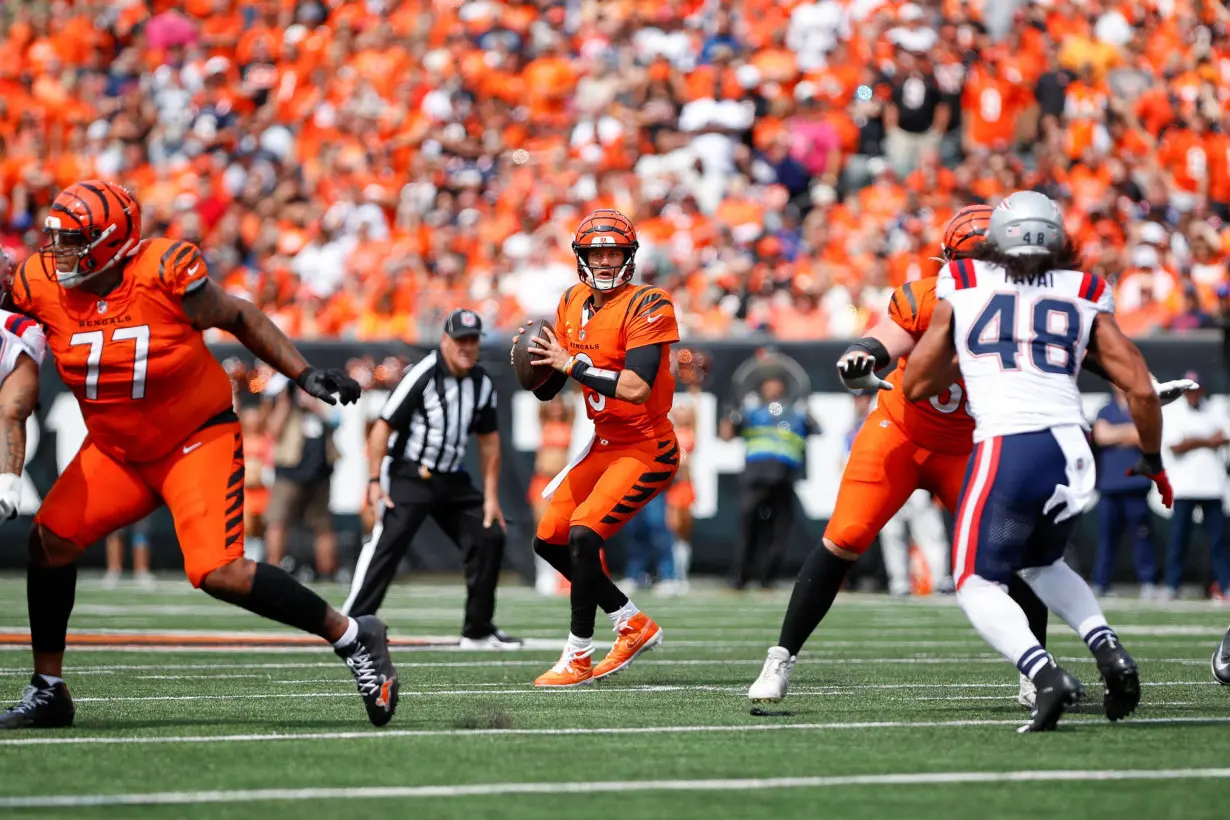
[417, 445]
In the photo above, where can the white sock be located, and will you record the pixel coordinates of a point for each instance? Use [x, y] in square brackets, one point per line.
[622, 615]
[578, 645]
[351, 635]
[1002, 624]
[50, 680]
[1067, 595]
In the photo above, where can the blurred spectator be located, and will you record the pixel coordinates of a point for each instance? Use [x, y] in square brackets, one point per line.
[1194, 434]
[1124, 503]
[137, 537]
[301, 430]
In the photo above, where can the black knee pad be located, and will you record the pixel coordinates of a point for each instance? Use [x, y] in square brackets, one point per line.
[544, 549]
[582, 541]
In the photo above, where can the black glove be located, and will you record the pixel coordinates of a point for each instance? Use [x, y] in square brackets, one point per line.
[1150, 466]
[324, 383]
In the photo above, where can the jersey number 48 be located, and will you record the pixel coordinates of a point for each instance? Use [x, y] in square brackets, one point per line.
[993, 333]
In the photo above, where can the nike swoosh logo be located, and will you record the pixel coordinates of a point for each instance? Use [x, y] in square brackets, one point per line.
[649, 320]
[192, 447]
[193, 269]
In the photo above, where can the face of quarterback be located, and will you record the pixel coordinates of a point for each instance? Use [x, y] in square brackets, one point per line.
[606, 263]
[460, 354]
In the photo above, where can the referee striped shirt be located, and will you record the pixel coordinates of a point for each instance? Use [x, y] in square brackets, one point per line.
[432, 413]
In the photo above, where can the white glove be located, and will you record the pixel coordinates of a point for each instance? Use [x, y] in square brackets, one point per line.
[857, 369]
[1169, 391]
[10, 495]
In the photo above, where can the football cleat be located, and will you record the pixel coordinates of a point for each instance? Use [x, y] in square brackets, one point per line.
[1221, 661]
[41, 707]
[369, 662]
[1122, 680]
[1028, 694]
[496, 640]
[774, 678]
[636, 635]
[572, 669]
[1057, 691]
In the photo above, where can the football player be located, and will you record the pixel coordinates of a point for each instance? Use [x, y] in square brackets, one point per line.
[124, 317]
[613, 338]
[903, 446]
[1019, 317]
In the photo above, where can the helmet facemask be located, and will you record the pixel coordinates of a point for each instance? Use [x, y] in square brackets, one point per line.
[74, 252]
[605, 277]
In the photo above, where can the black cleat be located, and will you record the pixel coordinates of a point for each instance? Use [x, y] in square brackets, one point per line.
[41, 707]
[1221, 661]
[1122, 680]
[369, 662]
[1057, 690]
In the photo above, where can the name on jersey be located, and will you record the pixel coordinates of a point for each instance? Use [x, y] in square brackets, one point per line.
[1037, 280]
[585, 347]
[109, 320]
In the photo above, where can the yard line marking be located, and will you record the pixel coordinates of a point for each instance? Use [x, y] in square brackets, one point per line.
[350, 793]
[384, 734]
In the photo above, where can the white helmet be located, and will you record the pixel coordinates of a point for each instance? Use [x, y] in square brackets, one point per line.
[1027, 223]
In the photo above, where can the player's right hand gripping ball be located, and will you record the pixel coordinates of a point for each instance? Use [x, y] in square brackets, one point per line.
[324, 383]
[530, 375]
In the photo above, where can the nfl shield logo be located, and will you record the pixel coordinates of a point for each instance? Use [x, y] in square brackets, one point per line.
[469, 319]
[582, 334]
[102, 306]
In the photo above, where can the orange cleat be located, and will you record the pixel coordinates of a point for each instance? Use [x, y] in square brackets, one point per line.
[572, 669]
[638, 634]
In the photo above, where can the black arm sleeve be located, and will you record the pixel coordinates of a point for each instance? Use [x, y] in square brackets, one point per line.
[643, 361]
[551, 387]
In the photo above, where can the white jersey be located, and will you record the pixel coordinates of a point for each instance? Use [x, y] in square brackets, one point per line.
[1020, 344]
[19, 334]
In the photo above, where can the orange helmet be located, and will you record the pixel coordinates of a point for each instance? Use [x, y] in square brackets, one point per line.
[965, 231]
[92, 225]
[605, 228]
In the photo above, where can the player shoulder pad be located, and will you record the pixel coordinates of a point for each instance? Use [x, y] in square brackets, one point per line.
[29, 281]
[1093, 289]
[27, 332]
[962, 274]
[650, 319]
[647, 301]
[912, 304]
[177, 267]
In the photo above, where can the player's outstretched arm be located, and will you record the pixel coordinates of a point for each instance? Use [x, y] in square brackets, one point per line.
[18, 395]
[208, 305]
[886, 342]
[932, 367]
[1167, 392]
[1126, 367]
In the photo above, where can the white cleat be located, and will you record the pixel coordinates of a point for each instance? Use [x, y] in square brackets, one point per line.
[1028, 696]
[774, 679]
[110, 580]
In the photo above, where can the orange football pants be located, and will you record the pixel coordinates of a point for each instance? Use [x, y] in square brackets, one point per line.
[608, 486]
[201, 482]
[884, 469]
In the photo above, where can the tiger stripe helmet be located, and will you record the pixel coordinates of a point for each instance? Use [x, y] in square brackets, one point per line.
[966, 230]
[605, 228]
[91, 226]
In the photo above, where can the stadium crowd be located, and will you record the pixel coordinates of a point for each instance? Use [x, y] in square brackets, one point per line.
[359, 167]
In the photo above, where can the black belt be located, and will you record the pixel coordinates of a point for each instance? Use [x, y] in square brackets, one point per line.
[410, 469]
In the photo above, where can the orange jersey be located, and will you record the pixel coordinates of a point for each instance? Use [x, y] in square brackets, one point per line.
[601, 337]
[140, 370]
[942, 423]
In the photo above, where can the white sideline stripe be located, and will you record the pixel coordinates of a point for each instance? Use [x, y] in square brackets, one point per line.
[351, 793]
[384, 734]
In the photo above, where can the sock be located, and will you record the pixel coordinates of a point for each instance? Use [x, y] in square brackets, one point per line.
[350, 636]
[1002, 624]
[51, 680]
[1032, 606]
[817, 585]
[1067, 595]
[50, 593]
[279, 597]
[560, 558]
[1099, 636]
[622, 615]
[578, 645]
[587, 578]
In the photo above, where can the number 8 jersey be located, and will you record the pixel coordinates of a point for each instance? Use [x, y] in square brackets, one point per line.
[1020, 343]
[140, 370]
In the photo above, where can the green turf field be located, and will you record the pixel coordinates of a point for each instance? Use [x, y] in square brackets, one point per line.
[898, 710]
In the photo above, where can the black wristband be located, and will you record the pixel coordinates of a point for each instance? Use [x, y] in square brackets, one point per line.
[876, 348]
[375, 480]
[303, 376]
[605, 384]
[1153, 461]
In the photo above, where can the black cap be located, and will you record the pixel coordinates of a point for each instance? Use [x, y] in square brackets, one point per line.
[462, 323]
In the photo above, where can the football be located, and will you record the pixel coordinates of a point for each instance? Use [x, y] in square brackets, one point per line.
[531, 376]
